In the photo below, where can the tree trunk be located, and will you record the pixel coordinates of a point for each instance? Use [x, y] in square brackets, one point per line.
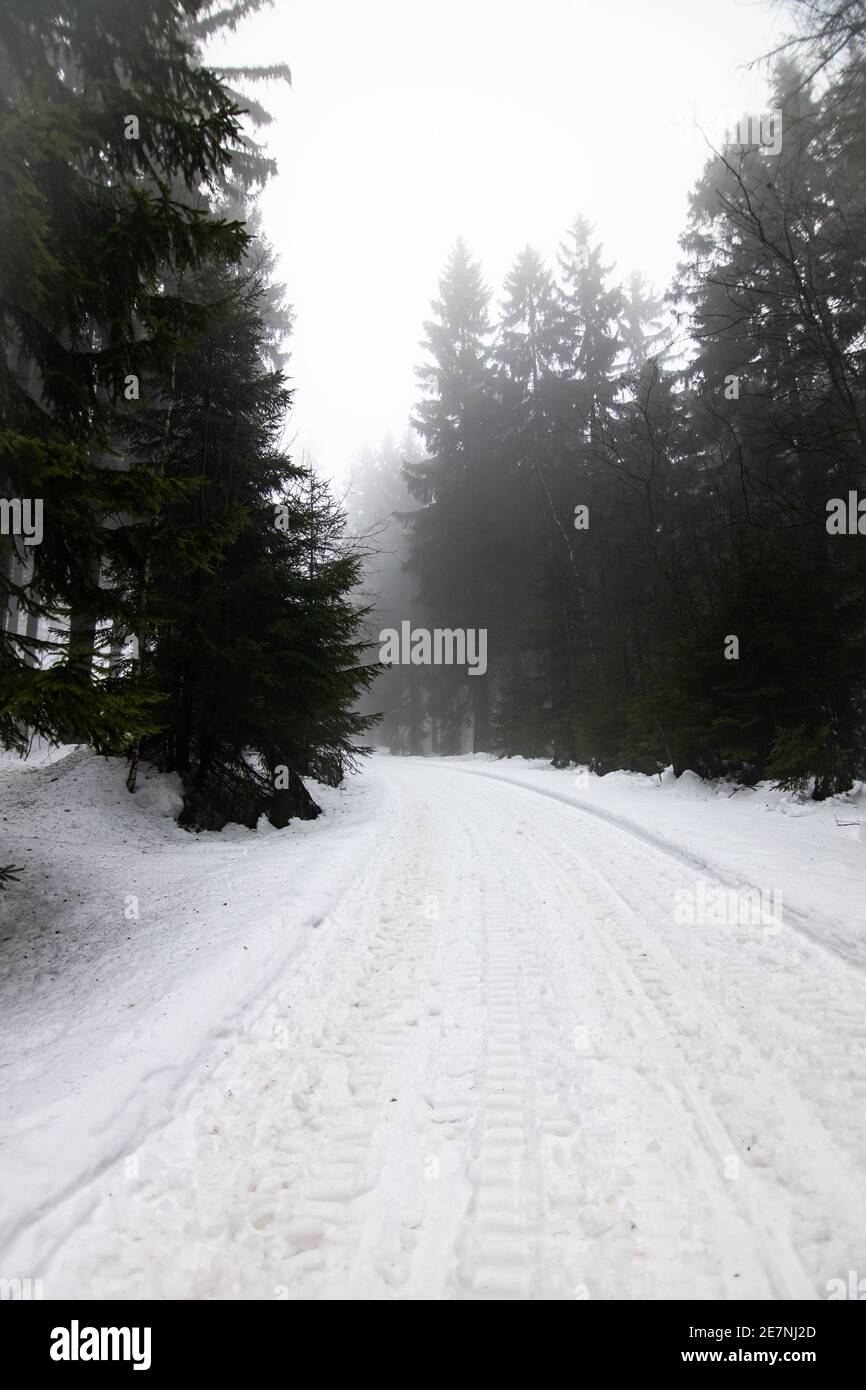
[481, 714]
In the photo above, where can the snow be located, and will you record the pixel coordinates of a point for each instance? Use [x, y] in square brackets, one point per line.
[105, 1015]
[744, 836]
[448, 1041]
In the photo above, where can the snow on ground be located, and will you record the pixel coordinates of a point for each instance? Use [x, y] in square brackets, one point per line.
[453, 1040]
[812, 853]
[132, 954]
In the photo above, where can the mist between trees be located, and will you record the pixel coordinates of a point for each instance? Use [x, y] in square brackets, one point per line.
[637, 495]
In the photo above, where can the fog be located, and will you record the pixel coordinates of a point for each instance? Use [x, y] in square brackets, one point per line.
[407, 125]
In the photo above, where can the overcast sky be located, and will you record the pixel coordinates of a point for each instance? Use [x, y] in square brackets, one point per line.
[408, 124]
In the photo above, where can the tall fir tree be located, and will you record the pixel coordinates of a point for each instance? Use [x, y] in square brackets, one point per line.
[251, 631]
[103, 112]
[453, 548]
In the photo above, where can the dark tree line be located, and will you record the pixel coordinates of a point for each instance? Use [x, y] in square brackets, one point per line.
[190, 598]
[702, 611]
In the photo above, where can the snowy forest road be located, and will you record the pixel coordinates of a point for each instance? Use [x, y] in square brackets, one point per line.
[502, 1068]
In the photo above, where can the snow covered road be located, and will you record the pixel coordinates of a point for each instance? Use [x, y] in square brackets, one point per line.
[500, 1067]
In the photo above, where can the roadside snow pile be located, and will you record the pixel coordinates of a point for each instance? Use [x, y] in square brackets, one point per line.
[129, 949]
[688, 786]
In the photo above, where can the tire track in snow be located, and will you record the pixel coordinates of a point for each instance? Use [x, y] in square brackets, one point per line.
[828, 1195]
[788, 1279]
[501, 1097]
[823, 934]
[583, 1171]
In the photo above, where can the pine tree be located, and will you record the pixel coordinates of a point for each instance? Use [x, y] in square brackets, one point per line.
[380, 509]
[538, 587]
[643, 332]
[453, 546]
[590, 310]
[251, 631]
[778, 397]
[103, 111]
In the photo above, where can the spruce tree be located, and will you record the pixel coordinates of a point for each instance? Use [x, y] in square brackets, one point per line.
[454, 553]
[103, 112]
[251, 632]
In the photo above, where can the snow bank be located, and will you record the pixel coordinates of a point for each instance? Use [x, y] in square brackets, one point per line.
[130, 950]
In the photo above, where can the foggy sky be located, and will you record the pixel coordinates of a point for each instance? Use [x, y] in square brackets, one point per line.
[411, 123]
